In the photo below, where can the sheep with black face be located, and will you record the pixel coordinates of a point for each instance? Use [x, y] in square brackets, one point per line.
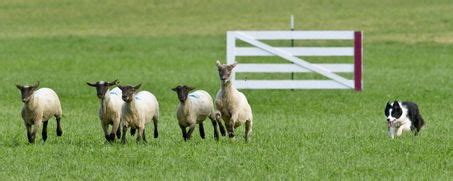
[139, 109]
[110, 107]
[193, 109]
[39, 106]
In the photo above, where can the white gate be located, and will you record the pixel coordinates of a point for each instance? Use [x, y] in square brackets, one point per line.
[296, 64]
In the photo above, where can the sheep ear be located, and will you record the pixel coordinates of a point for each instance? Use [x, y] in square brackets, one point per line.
[233, 65]
[90, 84]
[36, 85]
[115, 82]
[218, 63]
[190, 88]
[175, 89]
[137, 86]
[19, 86]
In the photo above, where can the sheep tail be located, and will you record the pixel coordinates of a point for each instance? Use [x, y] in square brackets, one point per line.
[217, 115]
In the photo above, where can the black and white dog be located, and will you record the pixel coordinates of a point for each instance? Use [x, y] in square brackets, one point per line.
[403, 116]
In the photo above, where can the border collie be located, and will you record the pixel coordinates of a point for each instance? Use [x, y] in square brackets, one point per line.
[403, 116]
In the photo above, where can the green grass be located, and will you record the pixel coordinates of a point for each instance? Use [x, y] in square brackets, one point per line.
[302, 134]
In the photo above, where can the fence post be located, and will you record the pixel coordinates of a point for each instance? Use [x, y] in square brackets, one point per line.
[358, 50]
[231, 57]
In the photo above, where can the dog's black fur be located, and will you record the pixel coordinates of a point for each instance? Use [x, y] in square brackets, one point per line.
[413, 113]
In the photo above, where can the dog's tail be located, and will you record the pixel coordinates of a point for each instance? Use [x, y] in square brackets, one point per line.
[419, 123]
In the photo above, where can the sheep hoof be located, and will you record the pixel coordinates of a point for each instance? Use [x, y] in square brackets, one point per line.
[231, 135]
[247, 140]
[222, 130]
[232, 139]
[107, 137]
[32, 139]
[112, 137]
[59, 132]
[118, 133]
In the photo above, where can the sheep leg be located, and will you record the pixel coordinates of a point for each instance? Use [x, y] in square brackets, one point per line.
[230, 126]
[59, 130]
[248, 129]
[105, 128]
[118, 133]
[201, 128]
[216, 131]
[222, 128]
[230, 129]
[28, 126]
[189, 133]
[35, 129]
[44, 131]
[123, 136]
[140, 134]
[115, 126]
[118, 130]
[218, 119]
[156, 133]
[144, 135]
[183, 131]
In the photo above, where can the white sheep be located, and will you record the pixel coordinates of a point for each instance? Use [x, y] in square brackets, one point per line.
[232, 104]
[39, 106]
[193, 109]
[110, 107]
[139, 109]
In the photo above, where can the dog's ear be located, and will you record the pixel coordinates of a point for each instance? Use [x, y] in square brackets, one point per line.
[387, 108]
[396, 104]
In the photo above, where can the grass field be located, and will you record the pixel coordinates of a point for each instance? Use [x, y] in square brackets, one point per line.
[302, 134]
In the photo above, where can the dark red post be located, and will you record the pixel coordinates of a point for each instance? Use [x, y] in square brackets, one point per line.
[358, 50]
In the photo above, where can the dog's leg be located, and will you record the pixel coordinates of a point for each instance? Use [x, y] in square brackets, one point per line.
[392, 132]
[404, 127]
[407, 127]
[399, 131]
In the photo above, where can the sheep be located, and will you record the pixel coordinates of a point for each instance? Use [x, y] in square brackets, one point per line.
[110, 107]
[39, 106]
[232, 104]
[139, 109]
[193, 109]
